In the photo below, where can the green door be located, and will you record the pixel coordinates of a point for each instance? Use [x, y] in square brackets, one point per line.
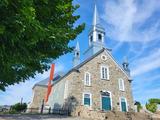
[106, 103]
[123, 105]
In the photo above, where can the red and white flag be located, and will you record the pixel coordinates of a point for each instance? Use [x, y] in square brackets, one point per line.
[50, 82]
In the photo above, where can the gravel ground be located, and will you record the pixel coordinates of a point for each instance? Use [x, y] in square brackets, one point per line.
[55, 117]
[37, 117]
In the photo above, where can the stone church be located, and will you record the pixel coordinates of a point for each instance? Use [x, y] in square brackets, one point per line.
[97, 83]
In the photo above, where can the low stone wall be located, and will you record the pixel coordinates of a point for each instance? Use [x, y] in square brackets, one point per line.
[87, 113]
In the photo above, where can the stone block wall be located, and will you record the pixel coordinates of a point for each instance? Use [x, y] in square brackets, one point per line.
[97, 85]
[39, 93]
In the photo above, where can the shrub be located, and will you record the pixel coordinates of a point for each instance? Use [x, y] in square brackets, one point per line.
[139, 107]
[19, 107]
[151, 107]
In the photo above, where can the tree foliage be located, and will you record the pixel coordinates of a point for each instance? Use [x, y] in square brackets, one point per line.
[139, 106]
[154, 100]
[152, 105]
[32, 34]
[19, 107]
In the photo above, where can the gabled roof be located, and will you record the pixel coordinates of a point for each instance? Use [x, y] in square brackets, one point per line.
[44, 82]
[99, 52]
[125, 72]
[90, 58]
[59, 78]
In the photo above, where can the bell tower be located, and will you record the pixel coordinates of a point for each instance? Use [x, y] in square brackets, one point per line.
[96, 35]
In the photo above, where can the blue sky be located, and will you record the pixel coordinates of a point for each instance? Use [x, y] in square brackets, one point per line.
[132, 29]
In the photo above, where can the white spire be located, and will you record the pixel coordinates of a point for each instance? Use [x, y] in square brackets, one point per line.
[95, 16]
[77, 46]
[96, 35]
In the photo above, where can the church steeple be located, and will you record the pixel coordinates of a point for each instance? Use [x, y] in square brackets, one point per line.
[77, 46]
[95, 16]
[76, 58]
[96, 35]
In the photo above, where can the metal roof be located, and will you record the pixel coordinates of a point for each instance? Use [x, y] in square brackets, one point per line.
[59, 77]
[44, 82]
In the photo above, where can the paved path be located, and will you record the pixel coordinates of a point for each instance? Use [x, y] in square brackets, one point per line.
[37, 117]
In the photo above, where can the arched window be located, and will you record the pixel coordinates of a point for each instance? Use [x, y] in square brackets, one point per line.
[99, 37]
[91, 38]
[87, 79]
[77, 54]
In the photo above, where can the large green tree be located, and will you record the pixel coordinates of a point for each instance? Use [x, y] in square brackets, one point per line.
[32, 33]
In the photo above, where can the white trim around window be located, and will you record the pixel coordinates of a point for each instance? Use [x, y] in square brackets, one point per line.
[90, 96]
[121, 105]
[87, 79]
[121, 84]
[104, 70]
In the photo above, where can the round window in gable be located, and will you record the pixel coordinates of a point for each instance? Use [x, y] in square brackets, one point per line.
[103, 57]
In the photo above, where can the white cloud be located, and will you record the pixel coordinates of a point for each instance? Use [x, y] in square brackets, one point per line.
[135, 22]
[147, 63]
[146, 87]
[139, 86]
[14, 93]
[147, 94]
[127, 19]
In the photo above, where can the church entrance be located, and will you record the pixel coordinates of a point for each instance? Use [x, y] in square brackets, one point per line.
[106, 101]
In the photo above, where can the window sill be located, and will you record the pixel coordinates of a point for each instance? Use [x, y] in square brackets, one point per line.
[122, 90]
[87, 106]
[104, 79]
[87, 85]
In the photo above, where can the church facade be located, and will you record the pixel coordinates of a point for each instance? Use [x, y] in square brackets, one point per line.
[97, 83]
